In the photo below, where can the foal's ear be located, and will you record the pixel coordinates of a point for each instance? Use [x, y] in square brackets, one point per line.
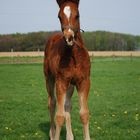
[62, 1]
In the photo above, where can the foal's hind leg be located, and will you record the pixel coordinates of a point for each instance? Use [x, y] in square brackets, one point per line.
[67, 112]
[50, 83]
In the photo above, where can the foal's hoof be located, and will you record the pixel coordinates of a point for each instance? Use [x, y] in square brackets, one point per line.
[52, 134]
[70, 137]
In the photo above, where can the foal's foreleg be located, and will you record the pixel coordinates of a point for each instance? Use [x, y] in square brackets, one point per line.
[67, 112]
[60, 113]
[83, 91]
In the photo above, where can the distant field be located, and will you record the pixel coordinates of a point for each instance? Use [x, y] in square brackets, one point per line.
[114, 101]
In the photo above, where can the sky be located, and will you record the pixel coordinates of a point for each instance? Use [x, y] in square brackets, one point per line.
[23, 16]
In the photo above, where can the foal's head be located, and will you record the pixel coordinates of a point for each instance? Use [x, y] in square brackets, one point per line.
[69, 19]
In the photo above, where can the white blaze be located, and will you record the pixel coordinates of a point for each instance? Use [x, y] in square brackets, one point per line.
[67, 11]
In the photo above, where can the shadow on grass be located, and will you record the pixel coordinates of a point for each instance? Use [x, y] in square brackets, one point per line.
[45, 128]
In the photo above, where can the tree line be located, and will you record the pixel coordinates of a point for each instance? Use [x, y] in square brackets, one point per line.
[95, 41]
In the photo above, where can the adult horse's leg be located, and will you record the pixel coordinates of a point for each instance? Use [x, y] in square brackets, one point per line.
[67, 112]
[83, 91]
[50, 83]
[61, 88]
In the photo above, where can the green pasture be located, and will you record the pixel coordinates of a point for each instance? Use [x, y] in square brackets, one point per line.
[114, 102]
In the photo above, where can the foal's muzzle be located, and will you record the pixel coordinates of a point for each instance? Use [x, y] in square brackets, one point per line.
[69, 36]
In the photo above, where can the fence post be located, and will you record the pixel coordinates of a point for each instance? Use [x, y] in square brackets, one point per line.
[12, 55]
[131, 56]
[113, 57]
[92, 57]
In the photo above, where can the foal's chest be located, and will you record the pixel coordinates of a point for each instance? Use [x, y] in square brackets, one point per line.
[74, 68]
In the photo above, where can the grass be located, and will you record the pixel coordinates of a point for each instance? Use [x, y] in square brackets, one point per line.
[114, 102]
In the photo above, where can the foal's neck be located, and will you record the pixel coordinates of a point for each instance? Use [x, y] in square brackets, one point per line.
[79, 40]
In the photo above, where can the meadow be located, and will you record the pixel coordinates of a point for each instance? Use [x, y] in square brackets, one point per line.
[114, 101]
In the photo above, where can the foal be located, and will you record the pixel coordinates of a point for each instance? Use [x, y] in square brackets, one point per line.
[67, 64]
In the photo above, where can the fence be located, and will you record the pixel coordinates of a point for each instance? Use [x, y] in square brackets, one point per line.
[37, 57]
[91, 53]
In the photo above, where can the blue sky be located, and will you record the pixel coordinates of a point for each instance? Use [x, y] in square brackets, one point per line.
[41, 15]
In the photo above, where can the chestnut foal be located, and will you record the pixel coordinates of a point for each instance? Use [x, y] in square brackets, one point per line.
[67, 64]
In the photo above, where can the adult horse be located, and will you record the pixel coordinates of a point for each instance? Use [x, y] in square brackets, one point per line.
[67, 64]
